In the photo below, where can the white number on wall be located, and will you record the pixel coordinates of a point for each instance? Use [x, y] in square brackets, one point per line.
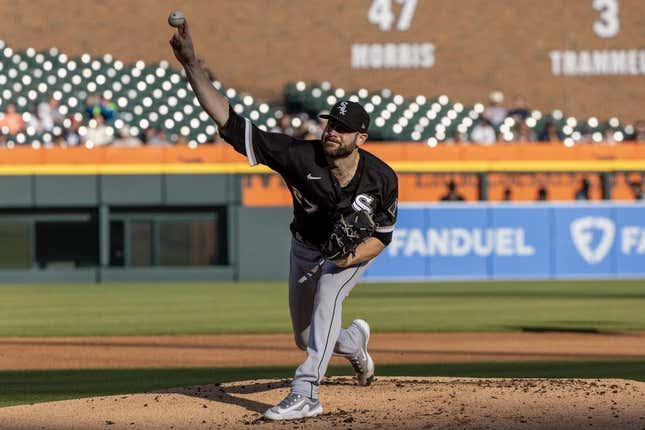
[609, 23]
[381, 14]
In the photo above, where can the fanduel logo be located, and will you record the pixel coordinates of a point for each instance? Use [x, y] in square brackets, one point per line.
[459, 242]
[582, 234]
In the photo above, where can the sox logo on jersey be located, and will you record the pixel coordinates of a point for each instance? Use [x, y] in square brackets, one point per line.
[362, 202]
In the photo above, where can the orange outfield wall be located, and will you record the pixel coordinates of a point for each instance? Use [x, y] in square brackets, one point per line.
[390, 152]
[265, 189]
[270, 190]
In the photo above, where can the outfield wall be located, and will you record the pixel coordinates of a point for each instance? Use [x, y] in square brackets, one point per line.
[497, 241]
[156, 227]
[185, 218]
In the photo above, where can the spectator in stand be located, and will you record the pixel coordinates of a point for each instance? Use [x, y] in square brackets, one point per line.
[299, 123]
[639, 131]
[92, 106]
[609, 136]
[11, 121]
[59, 140]
[314, 131]
[582, 193]
[108, 109]
[542, 194]
[452, 195]
[32, 120]
[285, 125]
[307, 128]
[637, 190]
[71, 131]
[458, 137]
[96, 105]
[495, 112]
[550, 133]
[520, 109]
[522, 132]
[49, 113]
[508, 194]
[126, 139]
[155, 137]
[483, 133]
[98, 134]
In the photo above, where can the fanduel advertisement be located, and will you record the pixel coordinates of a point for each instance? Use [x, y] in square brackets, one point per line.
[494, 241]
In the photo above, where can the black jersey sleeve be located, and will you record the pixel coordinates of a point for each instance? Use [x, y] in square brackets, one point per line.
[385, 215]
[259, 147]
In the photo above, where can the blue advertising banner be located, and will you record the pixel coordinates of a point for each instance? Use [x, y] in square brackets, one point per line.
[512, 241]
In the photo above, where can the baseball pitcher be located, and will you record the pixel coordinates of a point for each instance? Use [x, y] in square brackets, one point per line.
[344, 211]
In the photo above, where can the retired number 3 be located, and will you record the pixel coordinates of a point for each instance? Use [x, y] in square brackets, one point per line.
[609, 23]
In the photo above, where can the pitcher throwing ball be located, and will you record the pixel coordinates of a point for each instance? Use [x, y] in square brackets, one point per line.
[344, 208]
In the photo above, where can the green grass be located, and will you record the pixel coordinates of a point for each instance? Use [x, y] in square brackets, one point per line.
[20, 387]
[197, 308]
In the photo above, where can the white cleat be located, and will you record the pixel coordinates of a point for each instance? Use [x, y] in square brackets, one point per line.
[293, 407]
[362, 362]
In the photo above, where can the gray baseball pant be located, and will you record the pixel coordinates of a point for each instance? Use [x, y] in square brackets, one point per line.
[315, 302]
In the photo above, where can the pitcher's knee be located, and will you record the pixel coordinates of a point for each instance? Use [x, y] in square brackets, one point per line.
[301, 341]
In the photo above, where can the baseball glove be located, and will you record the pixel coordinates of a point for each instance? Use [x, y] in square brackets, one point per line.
[348, 232]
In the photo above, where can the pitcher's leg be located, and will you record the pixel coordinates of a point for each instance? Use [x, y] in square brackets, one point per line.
[334, 285]
[304, 259]
[349, 341]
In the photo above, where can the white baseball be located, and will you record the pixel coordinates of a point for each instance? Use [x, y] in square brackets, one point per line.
[176, 18]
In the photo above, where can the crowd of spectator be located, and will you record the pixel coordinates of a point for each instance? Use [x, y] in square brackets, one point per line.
[582, 193]
[98, 123]
[518, 124]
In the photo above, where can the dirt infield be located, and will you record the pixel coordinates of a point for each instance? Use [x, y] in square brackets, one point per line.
[407, 403]
[403, 403]
[279, 349]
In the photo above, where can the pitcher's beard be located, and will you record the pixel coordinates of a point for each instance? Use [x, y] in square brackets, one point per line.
[336, 151]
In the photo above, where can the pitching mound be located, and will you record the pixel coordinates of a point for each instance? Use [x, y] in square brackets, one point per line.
[403, 403]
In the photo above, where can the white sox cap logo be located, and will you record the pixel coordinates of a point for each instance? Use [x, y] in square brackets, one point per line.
[342, 108]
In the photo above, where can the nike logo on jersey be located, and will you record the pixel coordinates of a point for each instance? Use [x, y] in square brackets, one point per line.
[312, 177]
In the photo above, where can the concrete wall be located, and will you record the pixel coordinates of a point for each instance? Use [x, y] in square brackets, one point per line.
[257, 238]
[117, 190]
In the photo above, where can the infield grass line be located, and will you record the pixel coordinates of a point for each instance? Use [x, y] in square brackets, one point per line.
[25, 387]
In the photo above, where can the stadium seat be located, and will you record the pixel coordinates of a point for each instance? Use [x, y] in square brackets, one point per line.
[157, 95]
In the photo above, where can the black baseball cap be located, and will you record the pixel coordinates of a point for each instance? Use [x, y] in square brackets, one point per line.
[351, 114]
